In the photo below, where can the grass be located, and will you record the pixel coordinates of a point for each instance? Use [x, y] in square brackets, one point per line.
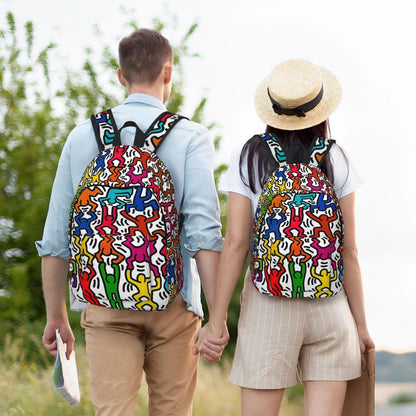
[26, 387]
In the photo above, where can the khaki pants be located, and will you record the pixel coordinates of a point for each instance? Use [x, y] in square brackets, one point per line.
[121, 344]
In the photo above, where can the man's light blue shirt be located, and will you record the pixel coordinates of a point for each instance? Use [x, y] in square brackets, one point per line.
[188, 153]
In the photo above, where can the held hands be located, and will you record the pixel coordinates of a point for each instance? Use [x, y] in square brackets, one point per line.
[211, 342]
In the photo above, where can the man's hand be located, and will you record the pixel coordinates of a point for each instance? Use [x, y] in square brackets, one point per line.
[49, 336]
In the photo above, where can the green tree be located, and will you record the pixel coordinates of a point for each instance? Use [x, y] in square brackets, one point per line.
[30, 139]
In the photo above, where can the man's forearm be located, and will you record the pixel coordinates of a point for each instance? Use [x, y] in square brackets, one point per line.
[207, 263]
[54, 281]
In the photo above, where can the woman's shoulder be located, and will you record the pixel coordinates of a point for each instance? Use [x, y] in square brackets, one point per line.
[346, 176]
[338, 152]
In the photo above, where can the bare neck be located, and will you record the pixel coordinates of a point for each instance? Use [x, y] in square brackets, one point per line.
[153, 90]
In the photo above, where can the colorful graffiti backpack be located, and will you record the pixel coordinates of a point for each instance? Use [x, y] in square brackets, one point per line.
[297, 236]
[123, 226]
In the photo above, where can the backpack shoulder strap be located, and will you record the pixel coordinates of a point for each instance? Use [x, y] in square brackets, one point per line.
[105, 130]
[159, 129]
[275, 148]
[319, 150]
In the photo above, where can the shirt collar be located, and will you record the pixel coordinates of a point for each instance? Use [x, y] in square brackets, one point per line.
[138, 98]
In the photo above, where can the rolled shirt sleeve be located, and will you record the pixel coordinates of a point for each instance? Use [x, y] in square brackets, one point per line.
[200, 206]
[55, 234]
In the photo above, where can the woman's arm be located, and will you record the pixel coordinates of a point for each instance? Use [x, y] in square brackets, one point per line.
[233, 256]
[352, 273]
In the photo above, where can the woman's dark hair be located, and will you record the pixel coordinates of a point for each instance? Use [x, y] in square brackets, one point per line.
[296, 143]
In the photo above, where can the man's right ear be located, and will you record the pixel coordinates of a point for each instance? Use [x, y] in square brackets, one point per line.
[121, 78]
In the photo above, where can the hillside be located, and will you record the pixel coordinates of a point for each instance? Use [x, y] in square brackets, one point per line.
[395, 368]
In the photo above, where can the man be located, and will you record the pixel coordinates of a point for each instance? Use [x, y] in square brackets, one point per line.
[122, 344]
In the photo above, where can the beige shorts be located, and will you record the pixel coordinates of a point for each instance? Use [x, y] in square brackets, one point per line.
[282, 341]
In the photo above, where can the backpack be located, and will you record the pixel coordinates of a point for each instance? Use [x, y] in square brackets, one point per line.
[297, 238]
[124, 227]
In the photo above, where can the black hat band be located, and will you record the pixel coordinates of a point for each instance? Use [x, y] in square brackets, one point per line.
[299, 111]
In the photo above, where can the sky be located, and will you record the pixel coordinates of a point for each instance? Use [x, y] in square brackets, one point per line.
[367, 44]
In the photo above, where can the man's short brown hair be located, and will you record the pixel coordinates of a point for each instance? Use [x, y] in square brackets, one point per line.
[142, 56]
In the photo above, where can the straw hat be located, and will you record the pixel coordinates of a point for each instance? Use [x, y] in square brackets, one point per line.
[296, 95]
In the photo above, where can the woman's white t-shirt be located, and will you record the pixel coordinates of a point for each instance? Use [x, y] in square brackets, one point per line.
[346, 178]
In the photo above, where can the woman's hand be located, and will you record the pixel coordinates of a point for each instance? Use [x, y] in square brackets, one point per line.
[366, 344]
[211, 342]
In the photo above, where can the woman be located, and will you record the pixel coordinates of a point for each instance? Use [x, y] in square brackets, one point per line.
[305, 326]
